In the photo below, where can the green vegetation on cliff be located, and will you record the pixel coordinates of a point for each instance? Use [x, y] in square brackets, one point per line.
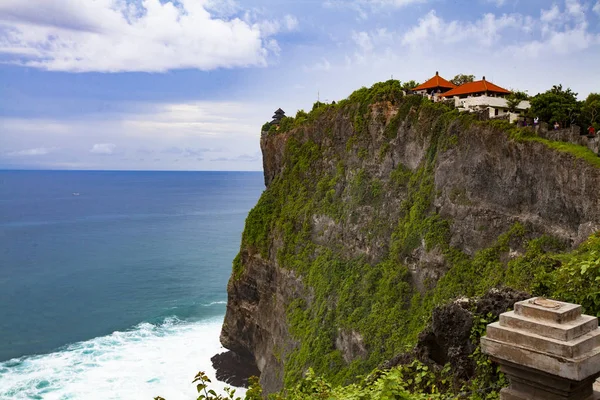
[529, 135]
[376, 297]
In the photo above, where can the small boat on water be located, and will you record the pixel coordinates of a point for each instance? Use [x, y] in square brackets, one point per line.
[75, 193]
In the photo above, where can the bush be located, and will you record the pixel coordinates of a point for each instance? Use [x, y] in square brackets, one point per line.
[573, 277]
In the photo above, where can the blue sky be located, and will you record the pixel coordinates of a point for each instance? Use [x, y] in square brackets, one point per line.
[187, 84]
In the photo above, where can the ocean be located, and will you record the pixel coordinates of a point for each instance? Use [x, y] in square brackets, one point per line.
[113, 284]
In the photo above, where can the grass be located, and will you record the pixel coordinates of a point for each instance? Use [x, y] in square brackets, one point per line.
[527, 135]
[583, 153]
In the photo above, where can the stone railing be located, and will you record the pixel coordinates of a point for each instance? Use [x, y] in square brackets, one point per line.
[547, 349]
[572, 134]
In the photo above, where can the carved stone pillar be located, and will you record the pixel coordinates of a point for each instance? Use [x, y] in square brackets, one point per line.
[547, 349]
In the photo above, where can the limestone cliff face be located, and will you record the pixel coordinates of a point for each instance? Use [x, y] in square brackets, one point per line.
[482, 183]
[504, 182]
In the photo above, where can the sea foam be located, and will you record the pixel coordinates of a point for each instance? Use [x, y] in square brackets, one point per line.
[141, 363]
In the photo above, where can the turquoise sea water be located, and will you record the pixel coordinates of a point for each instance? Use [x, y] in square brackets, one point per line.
[113, 284]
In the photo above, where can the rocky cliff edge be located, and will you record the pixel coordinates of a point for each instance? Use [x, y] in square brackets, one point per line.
[379, 208]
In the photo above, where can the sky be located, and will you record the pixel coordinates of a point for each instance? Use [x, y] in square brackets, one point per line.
[187, 84]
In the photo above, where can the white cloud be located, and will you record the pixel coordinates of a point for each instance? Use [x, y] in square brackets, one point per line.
[222, 8]
[323, 65]
[367, 42]
[362, 6]
[554, 19]
[272, 27]
[392, 3]
[559, 30]
[429, 26]
[65, 14]
[557, 43]
[25, 126]
[597, 8]
[484, 31]
[103, 148]
[575, 8]
[142, 35]
[192, 120]
[363, 40]
[38, 151]
[550, 15]
[498, 3]
[146, 136]
[242, 157]
[185, 152]
[290, 22]
[562, 32]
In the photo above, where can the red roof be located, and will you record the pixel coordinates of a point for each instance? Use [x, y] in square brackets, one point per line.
[435, 82]
[475, 87]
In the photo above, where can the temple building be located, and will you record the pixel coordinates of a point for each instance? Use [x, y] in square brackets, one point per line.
[434, 87]
[477, 88]
[484, 95]
[279, 114]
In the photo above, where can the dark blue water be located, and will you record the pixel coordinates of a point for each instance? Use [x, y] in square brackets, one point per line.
[130, 248]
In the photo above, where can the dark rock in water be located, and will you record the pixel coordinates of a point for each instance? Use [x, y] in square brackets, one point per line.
[234, 369]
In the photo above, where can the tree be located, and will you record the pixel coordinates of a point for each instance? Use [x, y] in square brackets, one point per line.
[556, 105]
[461, 78]
[519, 95]
[514, 99]
[590, 109]
[512, 103]
[202, 381]
[410, 85]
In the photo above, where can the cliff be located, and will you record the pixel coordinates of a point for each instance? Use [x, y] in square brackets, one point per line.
[381, 207]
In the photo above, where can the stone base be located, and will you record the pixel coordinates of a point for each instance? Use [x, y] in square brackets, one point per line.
[529, 384]
[509, 394]
[547, 349]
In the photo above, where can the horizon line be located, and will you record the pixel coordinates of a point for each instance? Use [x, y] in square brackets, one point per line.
[123, 170]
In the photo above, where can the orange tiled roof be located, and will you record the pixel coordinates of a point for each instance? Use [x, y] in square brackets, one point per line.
[475, 87]
[435, 82]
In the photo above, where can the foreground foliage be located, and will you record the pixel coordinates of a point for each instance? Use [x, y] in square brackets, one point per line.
[573, 277]
[204, 393]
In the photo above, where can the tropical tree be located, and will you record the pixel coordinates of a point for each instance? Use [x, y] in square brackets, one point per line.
[461, 78]
[410, 85]
[556, 105]
[514, 99]
[590, 109]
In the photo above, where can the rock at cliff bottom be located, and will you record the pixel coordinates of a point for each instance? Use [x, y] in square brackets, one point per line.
[234, 369]
[448, 337]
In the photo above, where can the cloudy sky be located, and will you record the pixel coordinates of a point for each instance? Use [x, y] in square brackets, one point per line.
[187, 84]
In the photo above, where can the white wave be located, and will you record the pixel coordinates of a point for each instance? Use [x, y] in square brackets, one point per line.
[147, 361]
[214, 303]
[103, 218]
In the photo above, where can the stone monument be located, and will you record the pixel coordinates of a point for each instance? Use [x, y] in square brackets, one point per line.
[547, 349]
